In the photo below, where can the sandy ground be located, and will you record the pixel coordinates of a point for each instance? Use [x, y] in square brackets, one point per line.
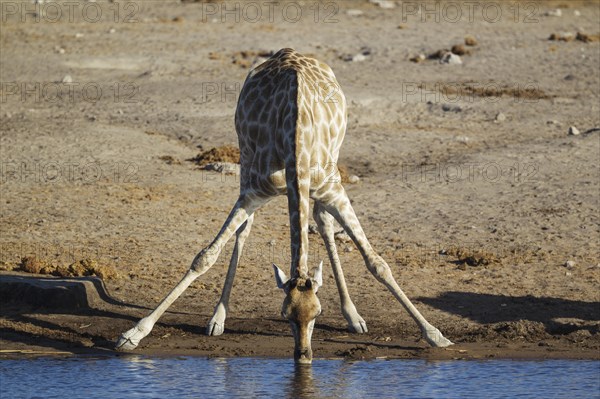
[99, 120]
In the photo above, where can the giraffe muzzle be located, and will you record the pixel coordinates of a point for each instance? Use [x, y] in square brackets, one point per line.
[303, 356]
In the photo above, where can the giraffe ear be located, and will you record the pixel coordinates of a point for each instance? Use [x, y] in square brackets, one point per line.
[280, 277]
[318, 277]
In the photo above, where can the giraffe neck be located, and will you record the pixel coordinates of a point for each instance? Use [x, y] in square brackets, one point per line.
[298, 182]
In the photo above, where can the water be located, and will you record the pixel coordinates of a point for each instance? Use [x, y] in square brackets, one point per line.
[192, 377]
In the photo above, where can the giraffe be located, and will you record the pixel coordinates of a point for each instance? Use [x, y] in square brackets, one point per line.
[290, 135]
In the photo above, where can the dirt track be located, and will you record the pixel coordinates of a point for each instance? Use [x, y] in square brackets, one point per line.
[105, 175]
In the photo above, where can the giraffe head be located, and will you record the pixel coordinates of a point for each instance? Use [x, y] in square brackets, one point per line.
[301, 307]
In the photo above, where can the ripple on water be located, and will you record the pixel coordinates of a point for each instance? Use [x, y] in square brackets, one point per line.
[191, 377]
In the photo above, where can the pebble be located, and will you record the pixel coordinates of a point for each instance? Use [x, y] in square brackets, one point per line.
[418, 58]
[353, 179]
[358, 57]
[342, 237]
[450, 59]
[384, 3]
[224, 167]
[112, 30]
[67, 79]
[459, 49]
[451, 108]
[470, 41]
[78, 35]
[570, 264]
[577, 13]
[573, 131]
[554, 13]
[500, 117]
[354, 12]
[553, 122]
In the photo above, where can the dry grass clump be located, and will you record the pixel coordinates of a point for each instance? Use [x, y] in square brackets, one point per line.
[471, 257]
[584, 37]
[344, 173]
[492, 90]
[569, 37]
[80, 268]
[170, 160]
[470, 41]
[226, 153]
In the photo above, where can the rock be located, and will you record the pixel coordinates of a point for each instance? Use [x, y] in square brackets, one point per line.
[342, 237]
[353, 179]
[587, 38]
[500, 117]
[573, 131]
[470, 41]
[354, 12]
[384, 4]
[577, 13]
[67, 79]
[562, 36]
[459, 49]
[557, 12]
[451, 108]
[227, 168]
[418, 58]
[78, 35]
[450, 59]
[570, 264]
[112, 30]
[358, 58]
[553, 122]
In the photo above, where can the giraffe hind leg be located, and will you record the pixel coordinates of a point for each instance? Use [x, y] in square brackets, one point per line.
[325, 224]
[339, 206]
[216, 325]
[244, 207]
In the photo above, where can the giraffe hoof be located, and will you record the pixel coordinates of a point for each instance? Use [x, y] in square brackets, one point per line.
[215, 328]
[434, 337]
[216, 325]
[125, 344]
[129, 340]
[358, 326]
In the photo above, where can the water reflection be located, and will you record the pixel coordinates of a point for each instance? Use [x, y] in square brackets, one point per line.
[302, 383]
[144, 377]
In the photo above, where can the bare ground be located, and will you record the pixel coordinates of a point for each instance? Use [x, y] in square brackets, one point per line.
[476, 215]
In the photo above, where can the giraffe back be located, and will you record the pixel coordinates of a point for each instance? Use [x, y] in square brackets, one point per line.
[290, 103]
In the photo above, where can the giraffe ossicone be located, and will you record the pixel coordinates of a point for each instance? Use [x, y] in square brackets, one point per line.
[290, 121]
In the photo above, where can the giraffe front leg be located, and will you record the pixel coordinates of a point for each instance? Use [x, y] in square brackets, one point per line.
[243, 208]
[216, 325]
[339, 206]
[130, 339]
[324, 221]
